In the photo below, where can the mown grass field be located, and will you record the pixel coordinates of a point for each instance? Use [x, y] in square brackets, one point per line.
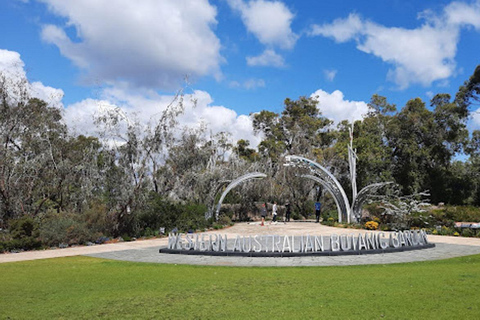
[90, 288]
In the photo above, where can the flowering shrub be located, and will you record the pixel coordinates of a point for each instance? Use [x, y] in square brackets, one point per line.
[371, 225]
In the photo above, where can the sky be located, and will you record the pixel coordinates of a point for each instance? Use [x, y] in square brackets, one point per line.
[233, 58]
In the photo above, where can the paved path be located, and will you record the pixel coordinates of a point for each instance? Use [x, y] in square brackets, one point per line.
[147, 250]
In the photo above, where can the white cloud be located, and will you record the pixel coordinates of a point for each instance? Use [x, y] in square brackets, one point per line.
[12, 69]
[330, 74]
[149, 43]
[341, 30]
[52, 96]
[422, 55]
[269, 21]
[463, 14]
[11, 65]
[334, 107]
[267, 58]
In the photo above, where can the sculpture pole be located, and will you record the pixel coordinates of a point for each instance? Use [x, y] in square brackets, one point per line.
[352, 162]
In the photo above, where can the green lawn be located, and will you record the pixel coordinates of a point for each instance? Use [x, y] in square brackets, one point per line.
[89, 288]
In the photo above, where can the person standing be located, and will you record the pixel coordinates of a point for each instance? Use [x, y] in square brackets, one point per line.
[274, 212]
[288, 211]
[318, 207]
[263, 212]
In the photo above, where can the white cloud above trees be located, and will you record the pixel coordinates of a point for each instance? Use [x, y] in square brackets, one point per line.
[12, 69]
[418, 56]
[267, 58]
[269, 21]
[334, 106]
[150, 43]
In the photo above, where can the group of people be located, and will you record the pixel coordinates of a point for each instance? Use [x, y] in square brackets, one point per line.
[288, 212]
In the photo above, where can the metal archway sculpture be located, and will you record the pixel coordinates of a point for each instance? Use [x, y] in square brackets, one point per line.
[362, 197]
[233, 184]
[328, 180]
[340, 206]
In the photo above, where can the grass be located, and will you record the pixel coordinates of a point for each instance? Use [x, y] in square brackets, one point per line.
[90, 288]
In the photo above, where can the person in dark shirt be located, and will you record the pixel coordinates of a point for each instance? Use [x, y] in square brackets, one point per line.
[263, 212]
[288, 211]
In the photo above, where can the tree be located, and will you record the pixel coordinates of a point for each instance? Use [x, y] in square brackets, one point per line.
[244, 152]
[469, 91]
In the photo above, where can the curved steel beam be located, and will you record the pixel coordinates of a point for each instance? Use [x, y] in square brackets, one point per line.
[233, 184]
[334, 186]
[340, 205]
[362, 197]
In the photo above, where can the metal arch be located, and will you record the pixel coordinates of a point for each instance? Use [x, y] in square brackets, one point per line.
[333, 184]
[233, 184]
[362, 197]
[340, 204]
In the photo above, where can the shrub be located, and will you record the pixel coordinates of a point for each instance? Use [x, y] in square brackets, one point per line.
[327, 214]
[24, 235]
[446, 231]
[224, 220]
[65, 227]
[329, 222]
[371, 225]
[468, 232]
[167, 214]
[96, 218]
[295, 216]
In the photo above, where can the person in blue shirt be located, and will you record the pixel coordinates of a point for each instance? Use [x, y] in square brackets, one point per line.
[318, 207]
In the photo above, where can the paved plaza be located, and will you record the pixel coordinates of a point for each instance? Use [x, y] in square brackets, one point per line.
[147, 250]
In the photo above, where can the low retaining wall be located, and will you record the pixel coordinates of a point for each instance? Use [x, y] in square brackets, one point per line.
[290, 246]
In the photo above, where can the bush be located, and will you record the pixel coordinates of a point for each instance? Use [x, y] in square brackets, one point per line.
[167, 214]
[295, 216]
[64, 227]
[330, 221]
[327, 214]
[96, 218]
[449, 214]
[224, 221]
[468, 232]
[446, 231]
[371, 225]
[23, 235]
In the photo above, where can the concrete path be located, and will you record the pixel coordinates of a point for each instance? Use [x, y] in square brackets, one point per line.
[147, 250]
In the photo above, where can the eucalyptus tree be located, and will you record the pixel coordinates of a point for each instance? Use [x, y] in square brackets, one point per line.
[424, 143]
[33, 166]
[372, 144]
[134, 153]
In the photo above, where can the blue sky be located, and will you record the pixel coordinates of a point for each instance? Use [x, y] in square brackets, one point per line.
[240, 56]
